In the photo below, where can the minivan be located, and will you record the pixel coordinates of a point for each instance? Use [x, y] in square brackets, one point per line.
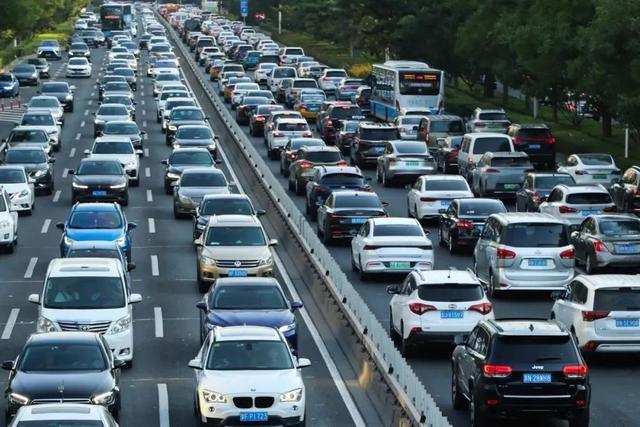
[474, 145]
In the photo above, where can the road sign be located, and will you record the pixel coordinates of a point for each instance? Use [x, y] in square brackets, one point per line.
[244, 8]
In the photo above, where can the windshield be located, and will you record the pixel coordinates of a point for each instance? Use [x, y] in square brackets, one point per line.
[346, 112]
[171, 104]
[446, 185]
[492, 116]
[596, 159]
[484, 145]
[128, 128]
[12, 176]
[99, 168]
[25, 156]
[249, 355]
[167, 77]
[589, 199]
[293, 127]
[95, 220]
[187, 115]
[165, 95]
[394, 230]
[84, 293]
[480, 208]
[124, 72]
[116, 110]
[191, 158]
[527, 350]
[410, 120]
[357, 201]
[118, 99]
[194, 133]
[312, 99]
[379, 134]
[78, 61]
[411, 148]
[323, 156]
[538, 133]
[619, 227]
[235, 236]
[38, 120]
[548, 182]
[267, 109]
[419, 83]
[450, 293]
[535, 235]
[226, 207]
[336, 73]
[116, 87]
[309, 142]
[44, 103]
[113, 147]
[279, 73]
[62, 357]
[446, 126]
[28, 136]
[5, 78]
[24, 68]
[248, 297]
[197, 179]
[342, 179]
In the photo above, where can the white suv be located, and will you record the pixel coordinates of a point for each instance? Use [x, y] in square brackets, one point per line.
[8, 222]
[120, 149]
[20, 187]
[248, 374]
[573, 203]
[435, 306]
[88, 295]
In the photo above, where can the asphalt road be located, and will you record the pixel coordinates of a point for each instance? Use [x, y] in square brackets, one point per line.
[158, 390]
[613, 378]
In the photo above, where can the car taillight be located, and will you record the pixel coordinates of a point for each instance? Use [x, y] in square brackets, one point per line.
[492, 170]
[325, 79]
[259, 118]
[278, 134]
[502, 253]
[342, 163]
[590, 316]
[610, 209]
[306, 165]
[453, 154]
[370, 248]
[537, 197]
[568, 254]
[600, 246]
[329, 122]
[419, 308]
[483, 308]
[497, 371]
[567, 209]
[427, 199]
[307, 135]
[464, 225]
[550, 140]
[575, 371]
[292, 156]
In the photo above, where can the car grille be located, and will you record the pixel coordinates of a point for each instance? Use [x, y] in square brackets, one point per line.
[131, 172]
[231, 263]
[63, 400]
[264, 401]
[99, 327]
[243, 402]
[248, 402]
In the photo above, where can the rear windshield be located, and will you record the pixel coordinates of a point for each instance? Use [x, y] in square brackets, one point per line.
[588, 198]
[534, 133]
[447, 126]
[480, 208]
[620, 227]
[492, 116]
[510, 161]
[535, 235]
[358, 201]
[337, 73]
[284, 72]
[342, 179]
[533, 349]
[548, 182]
[346, 113]
[305, 83]
[389, 230]
[410, 120]
[411, 148]
[293, 51]
[617, 299]
[449, 292]
[196, 179]
[446, 185]
[323, 156]
[596, 159]
[293, 127]
[379, 134]
[484, 145]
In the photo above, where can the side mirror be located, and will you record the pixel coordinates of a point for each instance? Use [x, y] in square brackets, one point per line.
[52, 160]
[87, 152]
[131, 266]
[139, 152]
[202, 305]
[135, 298]
[72, 88]
[60, 225]
[575, 234]
[144, 132]
[303, 363]
[295, 305]
[131, 226]
[7, 365]
[459, 339]
[556, 295]
[71, 172]
[198, 242]
[195, 364]
[31, 181]
[261, 212]
[393, 289]
[34, 299]
[273, 242]
[117, 364]
[164, 162]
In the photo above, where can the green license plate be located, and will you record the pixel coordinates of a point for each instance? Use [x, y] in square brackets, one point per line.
[599, 176]
[399, 265]
[412, 164]
[511, 186]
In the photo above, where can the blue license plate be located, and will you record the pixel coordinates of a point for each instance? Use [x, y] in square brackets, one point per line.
[627, 249]
[379, 149]
[534, 146]
[358, 220]
[237, 273]
[590, 212]
[627, 323]
[252, 417]
[99, 193]
[452, 314]
[536, 378]
[535, 262]
[445, 202]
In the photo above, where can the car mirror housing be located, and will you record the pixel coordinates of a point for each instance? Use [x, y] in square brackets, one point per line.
[303, 363]
[34, 299]
[201, 305]
[7, 365]
[393, 289]
[296, 305]
[195, 364]
[135, 298]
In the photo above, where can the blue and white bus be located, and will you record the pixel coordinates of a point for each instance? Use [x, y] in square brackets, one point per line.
[115, 17]
[406, 87]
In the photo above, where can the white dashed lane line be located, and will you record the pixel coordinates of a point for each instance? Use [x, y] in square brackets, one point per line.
[157, 320]
[56, 196]
[45, 226]
[30, 267]
[147, 172]
[163, 405]
[72, 153]
[11, 322]
[152, 225]
[155, 269]
[149, 196]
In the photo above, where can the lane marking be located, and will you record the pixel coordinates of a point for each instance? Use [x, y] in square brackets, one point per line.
[155, 270]
[163, 405]
[89, 102]
[56, 196]
[144, 124]
[78, 136]
[86, 112]
[93, 94]
[146, 136]
[72, 153]
[146, 150]
[147, 172]
[157, 320]
[32, 265]
[82, 123]
[65, 172]
[152, 225]
[142, 102]
[144, 112]
[45, 226]
[11, 322]
[149, 196]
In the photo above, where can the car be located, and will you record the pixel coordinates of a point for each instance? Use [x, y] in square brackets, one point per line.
[165, 111]
[193, 185]
[128, 74]
[331, 117]
[330, 79]
[592, 168]
[431, 195]
[102, 249]
[288, 55]
[9, 85]
[308, 103]
[128, 129]
[120, 149]
[26, 74]
[88, 294]
[258, 118]
[242, 370]
[573, 203]
[326, 179]
[166, 94]
[27, 136]
[95, 415]
[475, 145]
[288, 153]
[362, 99]
[181, 116]
[370, 141]
[182, 159]
[488, 120]
[228, 84]
[284, 130]
[260, 74]
[129, 58]
[276, 75]
[254, 301]
[500, 174]
[123, 99]
[233, 246]
[120, 87]
[80, 362]
[42, 65]
[408, 126]
[36, 163]
[196, 136]
[432, 128]
[19, 186]
[79, 50]
[163, 79]
[346, 88]
[221, 204]
[403, 161]
[462, 223]
[43, 119]
[342, 214]
[344, 137]
[47, 105]
[626, 191]
[524, 252]
[109, 113]
[99, 180]
[78, 67]
[503, 366]
[390, 246]
[96, 221]
[61, 90]
[308, 157]
[247, 106]
[299, 85]
[8, 223]
[109, 78]
[446, 153]
[434, 306]
[273, 118]
[536, 140]
[49, 49]
[536, 189]
[240, 89]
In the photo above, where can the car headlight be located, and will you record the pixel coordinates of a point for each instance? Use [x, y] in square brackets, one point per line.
[23, 193]
[5, 224]
[266, 261]
[287, 328]
[99, 122]
[68, 97]
[18, 399]
[172, 128]
[39, 174]
[212, 146]
[213, 396]
[200, 226]
[104, 399]
[120, 325]
[121, 240]
[118, 186]
[208, 261]
[67, 241]
[294, 395]
[46, 325]
[176, 145]
[172, 175]
[79, 186]
[130, 165]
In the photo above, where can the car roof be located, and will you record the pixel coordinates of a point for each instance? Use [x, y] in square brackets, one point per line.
[95, 206]
[112, 138]
[529, 217]
[189, 149]
[530, 125]
[251, 333]
[226, 196]
[318, 147]
[210, 170]
[234, 220]
[393, 220]
[442, 117]
[376, 125]
[582, 188]
[440, 177]
[62, 267]
[94, 244]
[64, 337]
[506, 154]
[292, 120]
[476, 135]
[241, 281]
[599, 281]
[327, 170]
[68, 411]
[526, 327]
[454, 276]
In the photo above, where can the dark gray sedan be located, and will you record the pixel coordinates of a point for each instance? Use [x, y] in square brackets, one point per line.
[27, 74]
[193, 185]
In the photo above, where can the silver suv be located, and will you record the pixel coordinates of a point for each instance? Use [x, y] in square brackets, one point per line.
[524, 251]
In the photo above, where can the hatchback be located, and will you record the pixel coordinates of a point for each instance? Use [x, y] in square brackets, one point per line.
[573, 203]
[500, 174]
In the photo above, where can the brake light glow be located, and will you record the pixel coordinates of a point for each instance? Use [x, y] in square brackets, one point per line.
[600, 246]
[492, 170]
[483, 308]
[497, 371]
[306, 164]
[590, 316]
[567, 209]
[502, 253]
[419, 308]
[278, 134]
[342, 163]
[568, 254]
[575, 371]
[464, 225]
[259, 118]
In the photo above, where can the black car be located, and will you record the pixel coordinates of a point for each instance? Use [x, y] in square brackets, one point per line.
[537, 141]
[90, 37]
[462, 223]
[79, 50]
[247, 106]
[370, 141]
[60, 90]
[42, 65]
[144, 41]
[514, 368]
[329, 121]
[326, 179]
[183, 116]
[536, 189]
[181, 159]
[36, 163]
[63, 366]
[626, 191]
[344, 212]
[259, 117]
[99, 180]
[221, 204]
[27, 74]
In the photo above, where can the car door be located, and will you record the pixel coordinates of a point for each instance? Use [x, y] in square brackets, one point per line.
[462, 367]
[551, 205]
[480, 252]
[398, 308]
[413, 196]
[322, 213]
[358, 241]
[463, 156]
[582, 238]
[572, 303]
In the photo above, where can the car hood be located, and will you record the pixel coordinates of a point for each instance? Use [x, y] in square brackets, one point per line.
[59, 384]
[180, 168]
[105, 235]
[60, 95]
[194, 142]
[241, 253]
[31, 167]
[112, 118]
[262, 382]
[186, 122]
[14, 188]
[270, 318]
[7, 84]
[99, 179]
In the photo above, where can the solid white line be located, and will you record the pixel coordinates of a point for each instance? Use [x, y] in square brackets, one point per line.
[149, 196]
[78, 136]
[155, 271]
[147, 172]
[163, 405]
[8, 328]
[65, 172]
[32, 265]
[152, 225]
[157, 319]
[72, 152]
[82, 123]
[45, 226]
[56, 196]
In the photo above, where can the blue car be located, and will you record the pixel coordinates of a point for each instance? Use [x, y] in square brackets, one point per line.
[251, 60]
[96, 221]
[9, 85]
[101, 249]
[256, 301]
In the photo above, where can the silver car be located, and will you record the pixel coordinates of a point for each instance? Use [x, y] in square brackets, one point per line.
[607, 241]
[109, 113]
[500, 174]
[193, 185]
[407, 126]
[202, 136]
[524, 251]
[404, 159]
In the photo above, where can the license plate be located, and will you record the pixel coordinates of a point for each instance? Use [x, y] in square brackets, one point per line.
[537, 262]
[534, 146]
[452, 314]
[399, 265]
[237, 273]
[445, 202]
[589, 212]
[249, 417]
[599, 176]
[511, 186]
[358, 220]
[536, 378]
[379, 149]
[412, 164]
[627, 323]
[627, 249]
[99, 193]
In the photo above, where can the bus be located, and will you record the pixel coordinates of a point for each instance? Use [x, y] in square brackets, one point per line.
[115, 17]
[406, 87]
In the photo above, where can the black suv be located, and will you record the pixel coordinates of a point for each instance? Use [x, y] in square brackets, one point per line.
[325, 179]
[370, 141]
[517, 367]
[535, 140]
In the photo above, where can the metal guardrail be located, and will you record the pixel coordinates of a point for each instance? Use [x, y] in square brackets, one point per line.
[404, 383]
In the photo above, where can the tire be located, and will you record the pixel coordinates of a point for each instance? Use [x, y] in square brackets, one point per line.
[476, 417]
[296, 188]
[362, 274]
[395, 337]
[326, 237]
[135, 183]
[11, 247]
[203, 286]
[441, 241]
[354, 267]
[457, 399]
[378, 176]
[405, 346]
[386, 182]
[125, 202]
[581, 420]
[589, 266]
[291, 186]
[453, 246]
[491, 287]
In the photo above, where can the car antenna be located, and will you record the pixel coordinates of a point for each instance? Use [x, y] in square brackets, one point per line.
[531, 327]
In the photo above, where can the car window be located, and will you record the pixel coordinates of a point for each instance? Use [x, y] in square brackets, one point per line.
[596, 159]
[83, 293]
[248, 297]
[389, 230]
[534, 235]
[249, 355]
[525, 350]
[235, 236]
[617, 299]
[193, 179]
[12, 176]
[226, 207]
[62, 357]
[450, 292]
[484, 145]
[481, 342]
[619, 227]
[588, 198]
[446, 185]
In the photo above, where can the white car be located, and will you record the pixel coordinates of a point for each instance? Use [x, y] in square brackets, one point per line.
[8, 222]
[285, 130]
[62, 414]
[573, 203]
[239, 90]
[330, 79]
[592, 168]
[391, 245]
[116, 50]
[435, 306]
[408, 126]
[19, 186]
[602, 311]
[89, 295]
[260, 74]
[44, 120]
[277, 74]
[121, 149]
[248, 373]
[78, 67]
[132, 62]
[50, 104]
[431, 195]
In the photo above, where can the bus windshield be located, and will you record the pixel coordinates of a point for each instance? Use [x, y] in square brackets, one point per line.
[419, 83]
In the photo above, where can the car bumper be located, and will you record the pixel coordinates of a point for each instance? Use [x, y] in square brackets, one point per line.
[209, 273]
[384, 264]
[533, 280]
[6, 236]
[516, 405]
[309, 115]
[79, 73]
[412, 173]
[88, 195]
[423, 336]
[607, 259]
[121, 345]
[22, 203]
[185, 207]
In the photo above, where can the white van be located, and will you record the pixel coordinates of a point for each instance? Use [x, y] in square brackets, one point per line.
[474, 145]
[279, 73]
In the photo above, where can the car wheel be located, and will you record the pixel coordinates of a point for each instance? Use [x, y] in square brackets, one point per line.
[386, 182]
[492, 287]
[378, 176]
[392, 331]
[453, 246]
[405, 345]
[354, 267]
[363, 275]
[11, 247]
[476, 417]
[581, 420]
[297, 188]
[589, 265]
[457, 398]
[441, 241]
[326, 237]
[125, 201]
[135, 183]
[291, 186]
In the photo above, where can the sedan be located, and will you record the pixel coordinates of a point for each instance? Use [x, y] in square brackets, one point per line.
[405, 160]
[431, 195]
[592, 168]
[536, 189]
[127, 129]
[26, 74]
[182, 159]
[47, 104]
[98, 180]
[247, 106]
[258, 118]
[120, 149]
[78, 67]
[61, 90]
[109, 113]
[193, 185]
[288, 154]
[19, 186]
[44, 120]
[221, 204]
[36, 163]
[344, 212]
[196, 136]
